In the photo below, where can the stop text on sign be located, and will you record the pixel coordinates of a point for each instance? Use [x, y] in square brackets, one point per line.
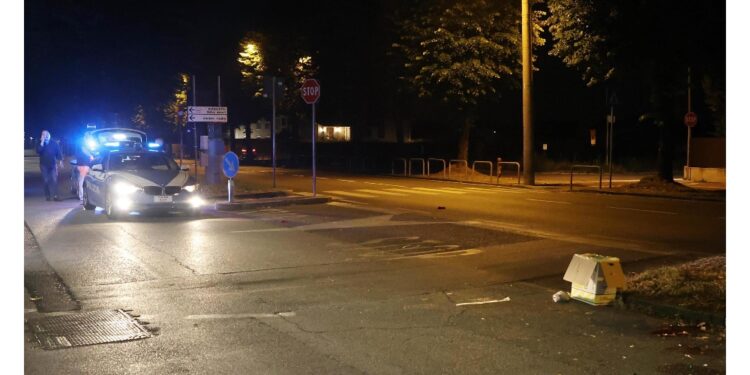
[310, 91]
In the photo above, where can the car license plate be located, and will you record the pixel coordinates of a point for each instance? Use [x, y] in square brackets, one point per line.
[163, 198]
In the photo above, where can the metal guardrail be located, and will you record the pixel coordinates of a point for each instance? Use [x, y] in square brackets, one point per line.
[474, 164]
[434, 159]
[459, 161]
[417, 159]
[585, 167]
[393, 166]
[500, 170]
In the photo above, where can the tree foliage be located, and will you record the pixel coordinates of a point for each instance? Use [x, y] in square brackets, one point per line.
[139, 118]
[580, 30]
[461, 51]
[262, 57]
[175, 110]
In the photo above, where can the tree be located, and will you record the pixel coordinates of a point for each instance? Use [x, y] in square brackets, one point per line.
[647, 45]
[139, 118]
[262, 57]
[175, 110]
[461, 52]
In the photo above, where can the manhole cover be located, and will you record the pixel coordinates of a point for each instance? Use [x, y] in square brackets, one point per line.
[88, 328]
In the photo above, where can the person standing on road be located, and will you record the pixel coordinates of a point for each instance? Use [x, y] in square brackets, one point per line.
[49, 156]
[83, 162]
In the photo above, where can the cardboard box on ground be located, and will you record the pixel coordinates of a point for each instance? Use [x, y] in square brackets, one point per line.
[595, 279]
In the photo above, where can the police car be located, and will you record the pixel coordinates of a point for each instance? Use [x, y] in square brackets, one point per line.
[102, 140]
[122, 181]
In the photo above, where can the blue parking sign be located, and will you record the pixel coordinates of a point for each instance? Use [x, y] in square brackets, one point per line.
[231, 164]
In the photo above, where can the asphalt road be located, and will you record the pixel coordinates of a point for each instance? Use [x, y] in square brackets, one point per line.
[379, 281]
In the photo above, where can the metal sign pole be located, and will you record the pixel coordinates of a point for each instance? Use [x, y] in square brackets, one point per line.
[687, 162]
[230, 190]
[195, 135]
[611, 142]
[314, 135]
[273, 129]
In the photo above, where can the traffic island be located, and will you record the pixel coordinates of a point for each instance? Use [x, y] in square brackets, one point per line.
[268, 199]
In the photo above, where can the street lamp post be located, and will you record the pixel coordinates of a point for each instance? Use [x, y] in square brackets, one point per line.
[528, 123]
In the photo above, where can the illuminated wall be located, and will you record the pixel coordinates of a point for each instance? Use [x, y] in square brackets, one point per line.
[334, 133]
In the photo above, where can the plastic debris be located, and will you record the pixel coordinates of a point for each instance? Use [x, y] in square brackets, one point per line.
[561, 296]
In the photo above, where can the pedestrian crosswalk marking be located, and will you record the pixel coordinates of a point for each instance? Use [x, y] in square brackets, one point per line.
[440, 190]
[349, 194]
[381, 192]
[412, 191]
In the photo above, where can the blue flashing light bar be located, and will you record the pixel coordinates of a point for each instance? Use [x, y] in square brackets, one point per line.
[153, 145]
[112, 144]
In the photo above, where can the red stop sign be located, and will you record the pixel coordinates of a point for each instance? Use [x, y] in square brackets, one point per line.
[691, 119]
[310, 91]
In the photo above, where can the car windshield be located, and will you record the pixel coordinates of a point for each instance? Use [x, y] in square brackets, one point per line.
[141, 161]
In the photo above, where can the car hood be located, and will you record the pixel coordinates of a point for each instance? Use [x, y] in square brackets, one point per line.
[150, 177]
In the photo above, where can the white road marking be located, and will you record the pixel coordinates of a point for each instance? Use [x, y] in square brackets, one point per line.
[242, 316]
[349, 194]
[547, 201]
[338, 179]
[382, 184]
[299, 175]
[381, 192]
[484, 302]
[410, 191]
[322, 178]
[440, 190]
[368, 222]
[642, 210]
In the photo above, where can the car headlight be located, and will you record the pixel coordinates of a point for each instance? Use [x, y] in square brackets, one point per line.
[197, 202]
[189, 188]
[124, 188]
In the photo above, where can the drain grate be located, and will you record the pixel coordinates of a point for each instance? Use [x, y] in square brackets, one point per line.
[88, 328]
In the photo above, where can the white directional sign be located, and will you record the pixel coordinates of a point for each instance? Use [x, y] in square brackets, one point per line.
[207, 118]
[194, 110]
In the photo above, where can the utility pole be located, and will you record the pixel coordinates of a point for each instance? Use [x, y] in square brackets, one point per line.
[690, 131]
[528, 123]
[195, 135]
[273, 128]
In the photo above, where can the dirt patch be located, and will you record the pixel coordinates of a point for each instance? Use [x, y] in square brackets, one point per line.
[654, 185]
[698, 285]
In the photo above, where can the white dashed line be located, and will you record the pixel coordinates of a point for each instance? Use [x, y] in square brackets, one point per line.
[349, 194]
[381, 192]
[546, 201]
[338, 179]
[440, 190]
[412, 191]
[642, 210]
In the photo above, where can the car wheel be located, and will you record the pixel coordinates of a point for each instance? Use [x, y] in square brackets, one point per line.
[109, 207]
[86, 203]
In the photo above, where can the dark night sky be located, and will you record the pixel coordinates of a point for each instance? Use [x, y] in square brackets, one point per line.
[86, 60]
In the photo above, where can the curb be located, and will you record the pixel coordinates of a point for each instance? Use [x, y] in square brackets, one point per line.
[631, 302]
[269, 202]
[686, 198]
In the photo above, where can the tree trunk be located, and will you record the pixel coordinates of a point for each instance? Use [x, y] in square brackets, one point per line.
[666, 153]
[463, 140]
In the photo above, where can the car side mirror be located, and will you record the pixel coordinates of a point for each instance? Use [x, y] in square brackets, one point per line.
[185, 169]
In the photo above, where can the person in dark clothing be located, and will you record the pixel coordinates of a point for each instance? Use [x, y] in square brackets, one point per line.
[49, 156]
[83, 163]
